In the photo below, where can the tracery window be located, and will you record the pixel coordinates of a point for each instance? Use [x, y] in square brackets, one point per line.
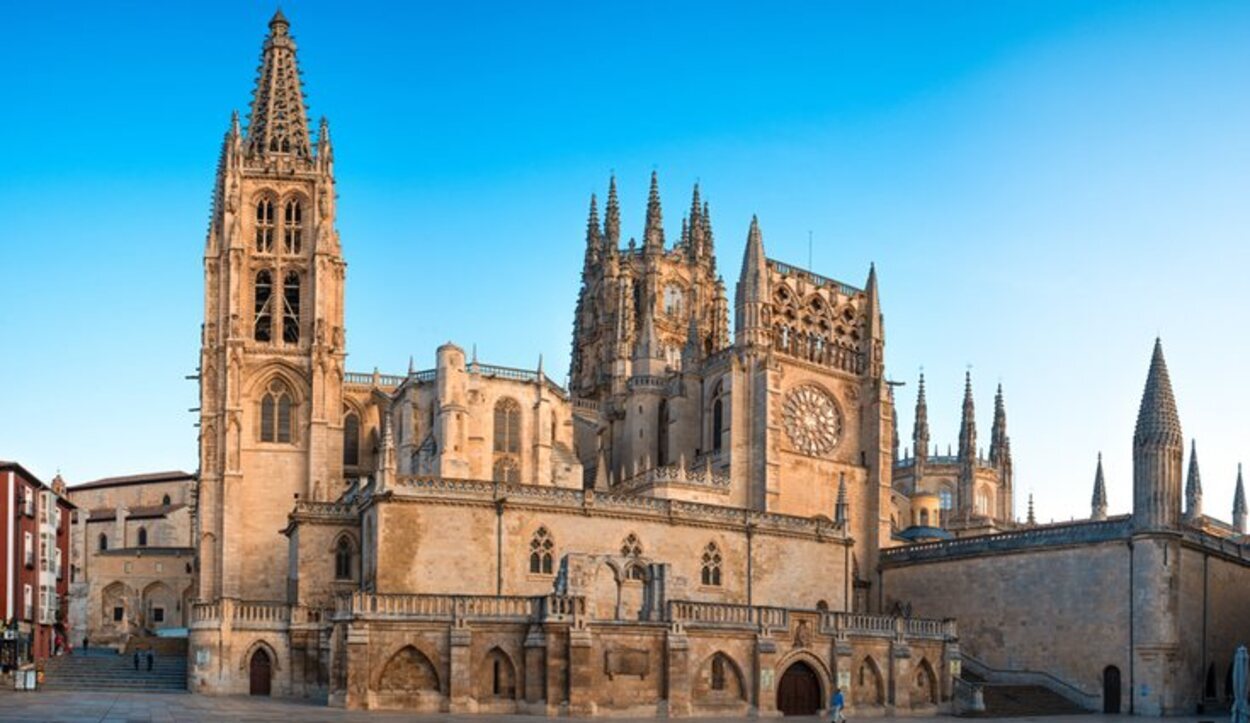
[293, 227]
[507, 426]
[718, 417]
[351, 440]
[631, 546]
[542, 552]
[507, 471]
[711, 565]
[290, 308]
[263, 323]
[343, 554]
[264, 226]
[276, 417]
[945, 499]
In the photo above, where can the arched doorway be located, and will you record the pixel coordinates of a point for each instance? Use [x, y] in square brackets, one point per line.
[1111, 689]
[799, 691]
[260, 672]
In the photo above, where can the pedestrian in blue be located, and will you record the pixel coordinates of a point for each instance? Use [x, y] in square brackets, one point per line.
[835, 706]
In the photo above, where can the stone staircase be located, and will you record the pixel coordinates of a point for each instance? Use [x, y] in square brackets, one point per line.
[106, 670]
[1004, 700]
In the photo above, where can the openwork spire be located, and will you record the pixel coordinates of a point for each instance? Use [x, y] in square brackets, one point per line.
[593, 242]
[653, 233]
[612, 218]
[278, 123]
[999, 444]
[1157, 420]
[920, 430]
[968, 423]
[1098, 505]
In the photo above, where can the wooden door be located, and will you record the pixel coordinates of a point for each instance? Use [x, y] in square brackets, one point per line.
[261, 670]
[1111, 689]
[799, 691]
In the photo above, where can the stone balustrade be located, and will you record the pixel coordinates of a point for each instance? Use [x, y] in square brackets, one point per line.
[1082, 532]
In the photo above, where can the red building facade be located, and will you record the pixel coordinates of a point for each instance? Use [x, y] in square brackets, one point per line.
[34, 565]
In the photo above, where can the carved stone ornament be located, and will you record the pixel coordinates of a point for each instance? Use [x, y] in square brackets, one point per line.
[812, 420]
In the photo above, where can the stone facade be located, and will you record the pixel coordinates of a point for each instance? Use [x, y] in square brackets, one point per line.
[133, 559]
[1138, 613]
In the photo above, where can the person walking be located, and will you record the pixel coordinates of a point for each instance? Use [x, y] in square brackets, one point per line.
[86, 644]
[150, 658]
[835, 706]
[136, 660]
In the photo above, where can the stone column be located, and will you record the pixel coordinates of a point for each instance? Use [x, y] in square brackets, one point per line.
[899, 684]
[581, 680]
[460, 670]
[677, 672]
[357, 667]
[951, 668]
[843, 662]
[556, 673]
[535, 673]
[764, 693]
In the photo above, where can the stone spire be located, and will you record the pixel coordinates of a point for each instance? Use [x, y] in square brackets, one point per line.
[594, 242]
[1098, 505]
[1158, 447]
[752, 292]
[612, 218]
[1239, 504]
[1193, 486]
[653, 233]
[709, 244]
[697, 242]
[1000, 444]
[920, 430]
[278, 123]
[968, 423]
[875, 326]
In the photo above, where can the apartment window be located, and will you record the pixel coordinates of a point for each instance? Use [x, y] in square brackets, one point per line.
[57, 558]
[44, 557]
[28, 602]
[29, 550]
[28, 502]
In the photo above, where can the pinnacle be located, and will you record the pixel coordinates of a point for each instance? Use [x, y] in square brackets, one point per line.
[653, 234]
[278, 122]
[1239, 496]
[1157, 420]
[1193, 482]
[278, 19]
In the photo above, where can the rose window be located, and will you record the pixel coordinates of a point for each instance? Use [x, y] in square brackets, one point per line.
[812, 420]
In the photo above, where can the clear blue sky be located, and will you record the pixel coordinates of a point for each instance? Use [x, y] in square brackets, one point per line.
[1044, 187]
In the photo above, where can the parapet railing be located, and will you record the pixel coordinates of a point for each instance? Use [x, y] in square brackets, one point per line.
[691, 613]
[429, 375]
[245, 613]
[696, 474]
[513, 608]
[366, 380]
[1048, 535]
[888, 626]
[787, 270]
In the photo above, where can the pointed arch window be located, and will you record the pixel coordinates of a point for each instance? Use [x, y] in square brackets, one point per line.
[343, 554]
[290, 308]
[507, 471]
[263, 323]
[276, 414]
[103, 542]
[507, 426]
[711, 565]
[143, 537]
[542, 552]
[661, 452]
[165, 500]
[718, 672]
[264, 226]
[718, 417]
[351, 440]
[293, 226]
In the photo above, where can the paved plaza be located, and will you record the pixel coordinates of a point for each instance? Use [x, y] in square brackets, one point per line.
[101, 707]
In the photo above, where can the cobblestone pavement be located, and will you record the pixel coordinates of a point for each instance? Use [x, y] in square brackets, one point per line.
[99, 707]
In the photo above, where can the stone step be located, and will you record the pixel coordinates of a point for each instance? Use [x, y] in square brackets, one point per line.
[1011, 701]
[116, 673]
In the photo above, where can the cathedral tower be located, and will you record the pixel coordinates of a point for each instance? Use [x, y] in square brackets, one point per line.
[271, 361]
[1157, 450]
